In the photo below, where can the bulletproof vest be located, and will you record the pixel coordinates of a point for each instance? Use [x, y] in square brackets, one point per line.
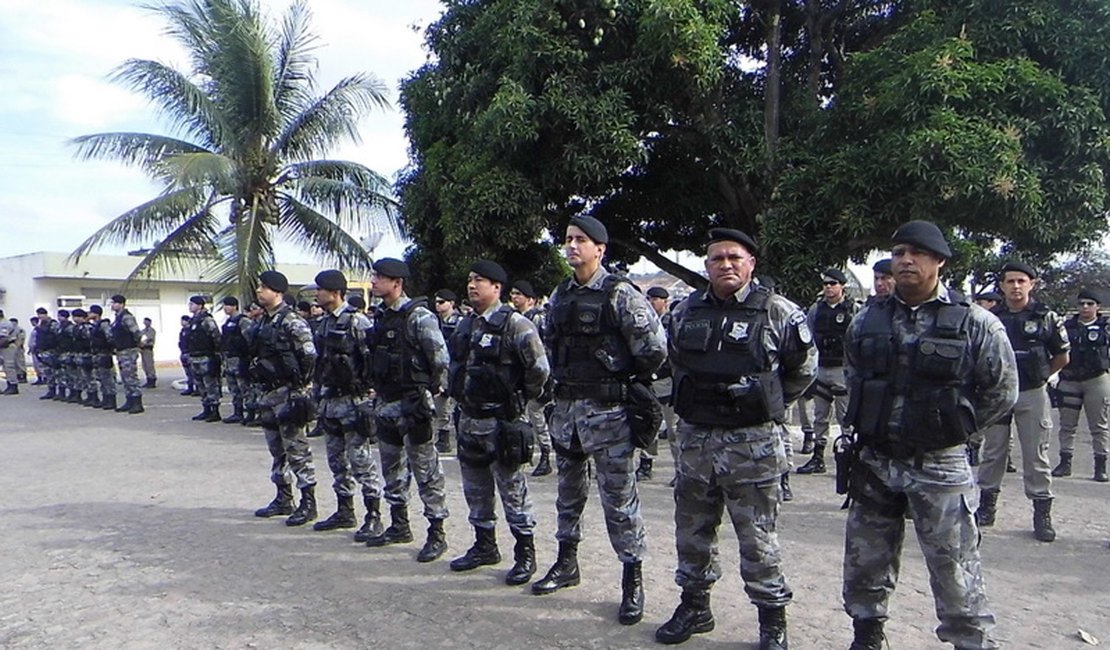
[829, 327]
[122, 337]
[100, 338]
[586, 341]
[274, 351]
[67, 337]
[47, 338]
[484, 372]
[534, 314]
[722, 373]
[932, 375]
[82, 338]
[399, 365]
[340, 362]
[1028, 332]
[232, 341]
[1090, 349]
[449, 326]
[198, 341]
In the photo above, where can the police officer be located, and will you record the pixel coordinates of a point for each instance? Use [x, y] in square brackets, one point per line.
[342, 384]
[125, 340]
[659, 299]
[602, 335]
[409, 368]
[8, 355]
[203, 345]
[283, 358]
[882, 279]
[235, 352]
[449, 318]
[46, 347]
[82, 359]
[1041, 347]
[183, 358]
[33, 349]
[1085, 384]
[251, 323]
[828, 319]
[988, 299]
[925, 368]
[146, 353]
[67, 343]
[103, 366]
[498, 364]
[523, 297]
[740, 354]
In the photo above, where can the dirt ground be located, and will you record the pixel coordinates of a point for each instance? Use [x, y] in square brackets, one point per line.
[137, 532]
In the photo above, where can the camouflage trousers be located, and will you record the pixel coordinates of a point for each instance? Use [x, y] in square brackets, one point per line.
[417, 457]
[1033, 421]
[830, 394]
[287, 442]
[1093, 397]
[479, 484]
[190, 381]
[104, 374]
[8, 357]
[128, 361]
[207, 378]
[238, 384]
[350, 456]
[84, 371]
[46, 368]
[533, 412]
[445, 411]
[941, 498]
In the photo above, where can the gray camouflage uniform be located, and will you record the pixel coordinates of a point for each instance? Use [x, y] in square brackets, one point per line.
[7, 350]
[204, 357]
[235, 366]
[128, 358]
[534, 409]
[287, 442]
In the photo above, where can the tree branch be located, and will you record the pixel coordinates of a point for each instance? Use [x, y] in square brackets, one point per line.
[691, 278]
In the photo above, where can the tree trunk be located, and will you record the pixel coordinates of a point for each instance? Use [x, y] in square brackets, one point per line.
[773, 97]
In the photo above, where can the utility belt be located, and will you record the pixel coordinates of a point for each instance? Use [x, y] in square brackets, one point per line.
[331, 392]
[396, 392]
[1082, 375]
[610, 392]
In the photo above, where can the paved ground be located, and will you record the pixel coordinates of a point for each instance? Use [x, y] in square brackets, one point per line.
[136, 532]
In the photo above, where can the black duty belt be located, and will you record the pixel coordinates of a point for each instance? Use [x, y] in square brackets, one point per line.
[601, 392]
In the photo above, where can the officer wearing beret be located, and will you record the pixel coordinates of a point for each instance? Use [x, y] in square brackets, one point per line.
[449, 317]
[82, 359]
[1041, 347]
[283, 359]
[988, 299]
[147, 338]
[125, 338]
[740, 354]
[409, 367]
[235, 352]
[925, 368]
[498, 363]
[524, 297]
[202, 341]
[659, 299]
[46, 347]
[103, 365]
[883, 278]
[602, 336]
[1085, 384]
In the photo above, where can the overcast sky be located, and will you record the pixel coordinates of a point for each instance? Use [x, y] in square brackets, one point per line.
[56, 55]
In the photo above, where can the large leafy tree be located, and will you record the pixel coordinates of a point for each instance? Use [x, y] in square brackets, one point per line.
[246, 162]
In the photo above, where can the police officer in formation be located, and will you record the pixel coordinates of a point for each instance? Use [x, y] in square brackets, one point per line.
[1085, 384]
[183, 357]
[1041, 346]
[203, 344]
[409, 367]
[658, 298]
[82, 359]
[103, 362]
[125, 340]
[523, 297]
[602, 335]
[828, 320]
[882, 279]
[283, 358]
[342, 384]
[46, 345]
[498, 364]
[739, 355]
[253, 391]
[8, 355]
[925, 369]
[449, 318]
[235, 354]
[147, 338]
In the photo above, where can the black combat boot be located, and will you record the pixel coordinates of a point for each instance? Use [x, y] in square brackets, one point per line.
[398, 531]
[149, 383]
[632, 594]
[524, 560]
[1100, 469]
[988, 502]
[343, 517]
[443, 441]
[136, 405]
[564, 573]
[126, 406]
[91, 399]
[1064, 468]
[306, 511]
[1042, 520]
[60, 396]
[372, 523]
[203, 415]
[868, 634]
[74, 396]
[772, 628]
[543, 467]
[643, 472]
[436, 544]
[49, 394]
[109, 402]
[236, 417]
[1010, 469]
[281, 505]
[815, 465]
[213, 414]
[784, 482]
[807, 442]
[189, 390]
[692, 616]
[21, 377]
[12, 389]
[483, 552]
[249, 418]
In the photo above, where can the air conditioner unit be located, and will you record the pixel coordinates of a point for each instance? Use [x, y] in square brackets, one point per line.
[69, 302]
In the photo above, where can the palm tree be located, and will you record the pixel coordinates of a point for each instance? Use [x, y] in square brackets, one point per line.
[244, 168]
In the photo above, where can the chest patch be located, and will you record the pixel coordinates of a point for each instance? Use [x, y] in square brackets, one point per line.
[739, 331]
[1030, 327]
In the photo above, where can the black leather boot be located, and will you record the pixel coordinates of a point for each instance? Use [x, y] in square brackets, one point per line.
[436, 544]
[213, 414]
[1064, 468]
[692, 616]
[643, 472]
[443, 441]
[772, 628]
[74, 396]
[203, 415]
[306, 511]
[632, 594]
[12, 389]
[343, 517]
[49, 394]
[236, 417]
[108, 403]
[372, 523]
[815, 465]
[1042, 520]
[248, 418]
[281, 505]
[868, 634]
[784, 481]
[136, 405]
[398, 531]
[807, 442]
[1100, 469]
[564, 573]
[543, 467]
[483, 552]
[524, 560]
[91, 399]
[988, 502]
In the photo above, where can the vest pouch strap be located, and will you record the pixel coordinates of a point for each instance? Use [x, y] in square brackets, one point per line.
[757, 400]
[515, 442]
[478, 449]
[366, 425]
[936, 419]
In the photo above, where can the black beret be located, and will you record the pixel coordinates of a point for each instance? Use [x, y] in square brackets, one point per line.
[593, 228]
[525, 287]
[97, 309]
[989, 295]
[738, 236]
[446, 294]
[835, 274]
[357, 302]
[658, 292]
[1090, 294]
[119, 298]
[186, 318]
[923, 234]
[492, 271]
[275, 281]
[882, 267]
[199, 300]
[391, 267]
[304, 305]
[41, 311]
[79, 313]
[230, 301]
[1018, 266]
[331, 280]
[63, 313]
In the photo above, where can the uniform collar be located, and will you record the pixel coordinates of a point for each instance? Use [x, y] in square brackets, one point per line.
[490, 310]
[399, 303]
[594, 282]
[940, 294]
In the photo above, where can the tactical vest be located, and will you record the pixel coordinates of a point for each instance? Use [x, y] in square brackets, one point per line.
[100, 338]
[722, 373]
[485, 376]
[829, 327]
[67, 337]
[932, 375]
[340, 363]
[47, 338]
[590, 358]
[82, 338]
[399, 365]
[122, 337]
[1028, 333]
[198, 341]
[232, 341]
[1090, 349]
[274, 354]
